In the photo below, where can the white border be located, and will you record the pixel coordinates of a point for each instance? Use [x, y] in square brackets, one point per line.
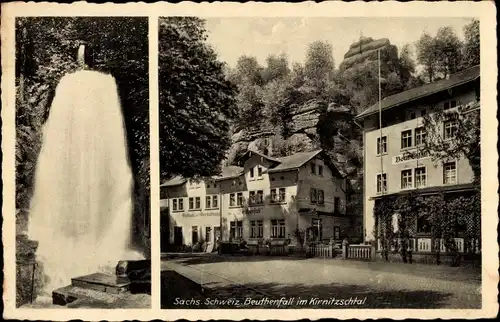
[485, 11]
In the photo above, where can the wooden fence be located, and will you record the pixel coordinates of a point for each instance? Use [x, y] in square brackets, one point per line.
[424, 245]
[360, 252]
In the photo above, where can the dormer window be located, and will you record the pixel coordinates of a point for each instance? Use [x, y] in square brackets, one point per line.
[313, 168]
[320, 170]
[259, 172]
[251, 173]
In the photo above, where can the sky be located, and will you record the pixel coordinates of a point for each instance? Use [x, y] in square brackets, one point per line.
[261, 37]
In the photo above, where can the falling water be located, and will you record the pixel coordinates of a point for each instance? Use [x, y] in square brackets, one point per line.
[81, 210]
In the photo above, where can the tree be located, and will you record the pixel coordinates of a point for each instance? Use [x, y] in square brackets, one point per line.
[449, 51]
[470, 51]
[197, 102]
[440, 55]
[427, 56]
[277, 68]
[466, 132]
[319, 66]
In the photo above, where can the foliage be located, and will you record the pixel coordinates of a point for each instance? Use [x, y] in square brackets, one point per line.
[441, 55]
[447, 216]
[466, 140]
[471, 52]
[196, 100]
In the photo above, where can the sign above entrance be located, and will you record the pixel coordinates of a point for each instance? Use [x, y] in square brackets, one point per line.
[199, 214]
[409, 156]
[253, 211]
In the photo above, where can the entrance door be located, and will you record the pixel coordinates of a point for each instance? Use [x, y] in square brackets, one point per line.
[194, 235]
[178, 236]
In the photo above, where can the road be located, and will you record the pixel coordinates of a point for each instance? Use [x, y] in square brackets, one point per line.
[322, 281]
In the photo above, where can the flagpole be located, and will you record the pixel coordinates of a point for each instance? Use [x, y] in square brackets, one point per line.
[380, 123]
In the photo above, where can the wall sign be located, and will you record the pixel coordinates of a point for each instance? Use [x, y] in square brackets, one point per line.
[200, 214]
[252, 211]
[409, 156]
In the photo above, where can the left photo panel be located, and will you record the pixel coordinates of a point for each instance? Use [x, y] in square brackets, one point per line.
[82, 161]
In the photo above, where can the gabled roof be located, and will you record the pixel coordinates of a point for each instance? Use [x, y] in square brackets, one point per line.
[175, 181]
[226, 173]
[457, 79]
[249, 153]
[229, 172]
[294, 161]
[297, 160]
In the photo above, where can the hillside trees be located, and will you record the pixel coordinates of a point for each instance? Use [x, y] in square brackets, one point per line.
[470, 50]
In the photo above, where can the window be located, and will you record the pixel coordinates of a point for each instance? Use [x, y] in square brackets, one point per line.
[450, 129]
[282, 195]
[321, 197]
[239, 199]
[236, 229]
[211, 202]
[274, 197]
[420, 177]
[450, 104]
[198, 202]
[256, 197]
[336, 232]
[251, 197]
[336, 205]
[405, 139]
[260, 197]
[420, 136]
[382, 145]
[256, 228]
[259, 172]
[406, 182]
[423, 224]
[278, 228]
[251, 173]
[314, 198]
[208, 234]
[181, 204]
[450, 173]
[232, 200]
[174, 205]
[313, 168]
[317, 228]
[191, 203]
[278, 195]
[381, 182]
[320, 170]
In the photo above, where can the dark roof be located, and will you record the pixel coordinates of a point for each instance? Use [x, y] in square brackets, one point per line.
[432, 190]
[228, 172]
[293, 161]
[175, 181]
[457, 79]
[249, 153]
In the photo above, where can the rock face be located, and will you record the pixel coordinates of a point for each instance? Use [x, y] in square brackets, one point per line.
[366, 50]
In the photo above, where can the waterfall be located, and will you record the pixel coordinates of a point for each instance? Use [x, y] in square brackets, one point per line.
[81, 210]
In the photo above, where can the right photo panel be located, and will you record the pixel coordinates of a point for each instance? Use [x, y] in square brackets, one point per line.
[320, 162]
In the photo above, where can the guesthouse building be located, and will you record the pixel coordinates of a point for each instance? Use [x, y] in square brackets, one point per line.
[396, 163]
[260, 198]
